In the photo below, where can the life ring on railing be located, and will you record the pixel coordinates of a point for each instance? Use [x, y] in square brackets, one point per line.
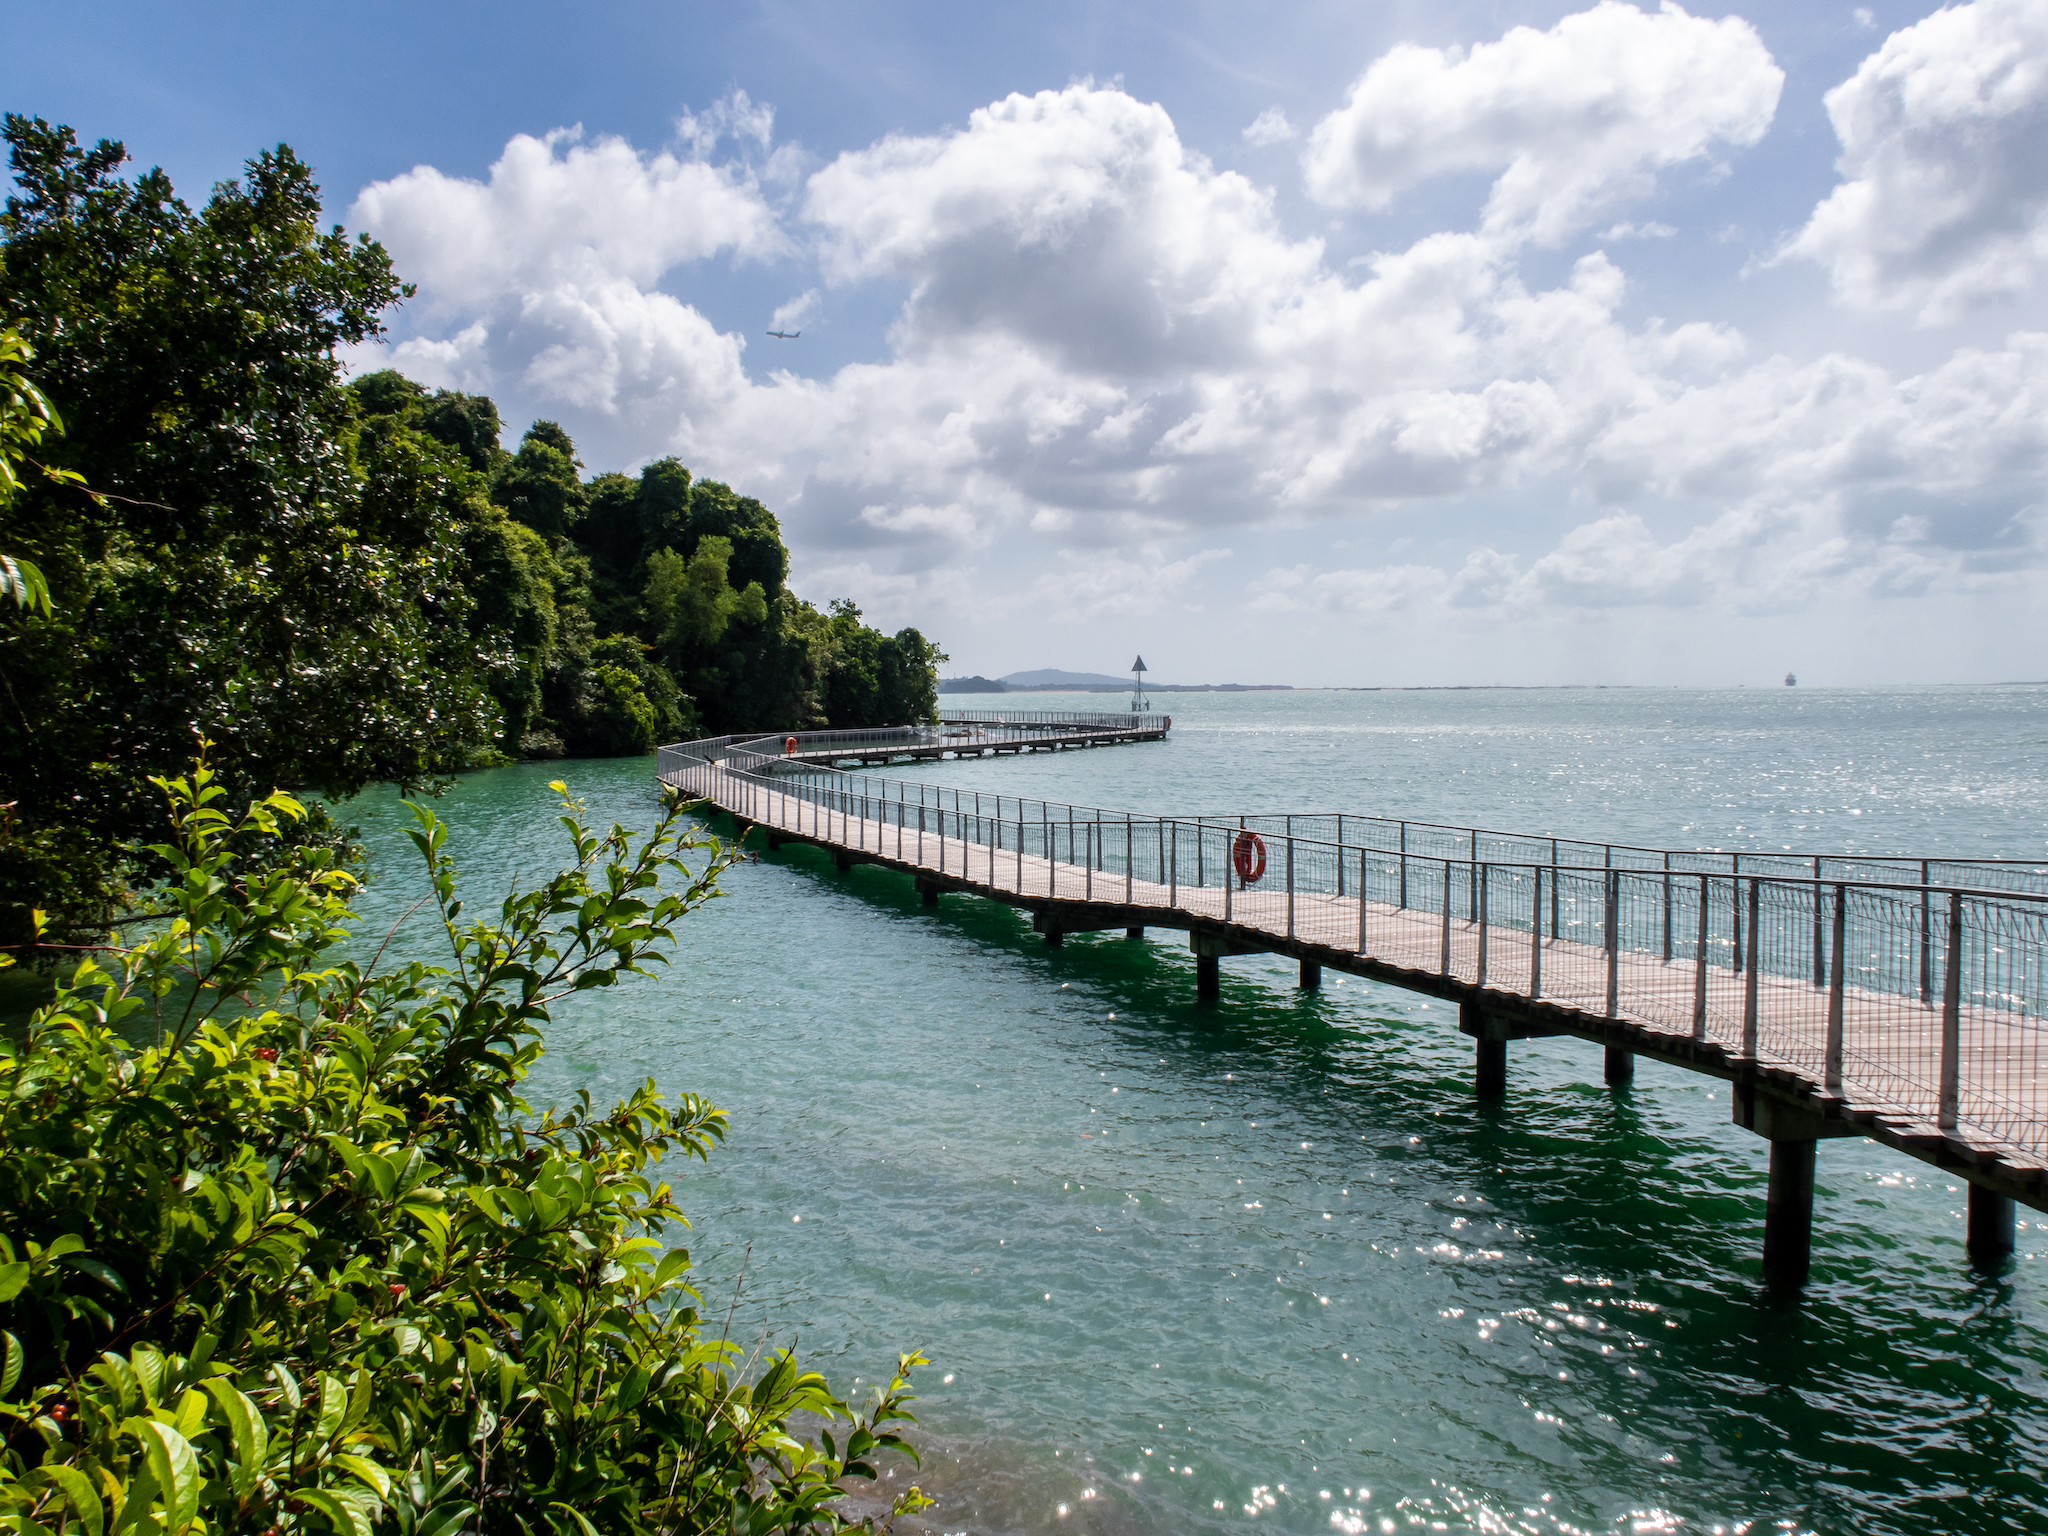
[789, 745]
[1248, 857]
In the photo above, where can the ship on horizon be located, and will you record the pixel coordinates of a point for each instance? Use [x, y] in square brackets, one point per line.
[1791, 681]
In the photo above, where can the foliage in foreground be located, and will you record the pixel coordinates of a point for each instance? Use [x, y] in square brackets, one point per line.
[307, 1261]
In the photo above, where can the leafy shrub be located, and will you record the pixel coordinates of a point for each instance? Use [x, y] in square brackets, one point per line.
[306, 1261]
[618, 720]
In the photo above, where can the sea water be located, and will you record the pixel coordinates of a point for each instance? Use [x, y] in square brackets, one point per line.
[1264, 1264]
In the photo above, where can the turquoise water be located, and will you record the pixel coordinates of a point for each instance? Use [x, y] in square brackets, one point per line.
[1265, 1264]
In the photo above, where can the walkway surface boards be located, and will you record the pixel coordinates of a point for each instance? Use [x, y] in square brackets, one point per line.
[1550, 985]
[1910, 1013]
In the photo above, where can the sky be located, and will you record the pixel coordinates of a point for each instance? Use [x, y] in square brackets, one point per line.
[1331, 344]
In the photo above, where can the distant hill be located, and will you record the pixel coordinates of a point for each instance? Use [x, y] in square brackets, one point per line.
[1052, 680]
[975, 684]
[1052, 677]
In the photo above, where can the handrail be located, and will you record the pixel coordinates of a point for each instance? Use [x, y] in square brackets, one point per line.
[2018, 876]
[1877, 984]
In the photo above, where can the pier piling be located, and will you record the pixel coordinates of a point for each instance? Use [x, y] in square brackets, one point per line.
[1621, 1066]
[1208, 977]
[1311, 976]
[1990, 1222]
[1134, 933]
[1490, 1069]
[1788, 1212]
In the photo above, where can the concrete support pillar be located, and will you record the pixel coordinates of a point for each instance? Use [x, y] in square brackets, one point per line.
[1788, 1212]
[1990, 1238]
[1208, 977]
[774, 842]
[842, 862]
[1621, 1066]
[1311, 975]
[1054, 938]
[1134, 933]
[1490, 1069]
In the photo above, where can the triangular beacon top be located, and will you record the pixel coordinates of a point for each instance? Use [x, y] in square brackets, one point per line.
[1139, 665]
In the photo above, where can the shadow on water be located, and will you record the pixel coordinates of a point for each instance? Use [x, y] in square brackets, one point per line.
[1897, 1392]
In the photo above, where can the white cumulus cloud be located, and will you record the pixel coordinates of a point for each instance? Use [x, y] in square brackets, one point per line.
[1269, 127]
[1576, 120]
[1944, 134]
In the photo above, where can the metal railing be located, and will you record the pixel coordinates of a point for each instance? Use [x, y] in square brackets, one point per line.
[1921, 998]
[964, 733]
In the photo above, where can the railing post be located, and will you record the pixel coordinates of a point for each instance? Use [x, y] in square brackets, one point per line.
[1228, 883]
[1403, 903]
[1699, 959]
[1820, 958]
[1129, 861]
[1536, 934]
[1613, 941]
[1172, 864]
[1926, 943]
[1751, 1024]
[1735, 909]
[1480, 891]
[1832, 1079]
[1020, 847]
[1088, 862]
[1444, 964]
[1290, 883]
[1364, 888]
[1952, 1019]
[1553, 888]
[1472, 877]
[1667, 907]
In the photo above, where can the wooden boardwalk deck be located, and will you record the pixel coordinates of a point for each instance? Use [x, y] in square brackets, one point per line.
[1512, 982]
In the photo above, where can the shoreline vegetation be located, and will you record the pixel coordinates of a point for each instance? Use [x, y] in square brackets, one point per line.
[282, 1249]
[335, 582]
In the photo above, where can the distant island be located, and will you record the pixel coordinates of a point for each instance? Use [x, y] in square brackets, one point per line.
[1052, 680]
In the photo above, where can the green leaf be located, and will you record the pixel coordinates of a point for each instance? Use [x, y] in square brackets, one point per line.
[173, 1467]
[12, 1278]
[576, 1515]
[333, 1405]
[78, 1492]
[10, 1362]
[343, 1512]
[445, 1521]
[106, 1274]
[250, 1434]
[70, 1242]
[361, 1467]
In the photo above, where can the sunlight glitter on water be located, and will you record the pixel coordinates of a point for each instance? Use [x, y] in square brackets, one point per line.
[1587, 1351]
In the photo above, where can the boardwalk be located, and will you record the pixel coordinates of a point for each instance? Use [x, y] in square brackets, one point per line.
[1841, 998]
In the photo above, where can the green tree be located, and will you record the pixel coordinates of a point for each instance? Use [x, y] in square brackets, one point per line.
[25, 415]
[538, 485]
[246, 572]
[305, 1260]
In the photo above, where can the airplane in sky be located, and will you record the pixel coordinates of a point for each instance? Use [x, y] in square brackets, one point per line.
[785, 335]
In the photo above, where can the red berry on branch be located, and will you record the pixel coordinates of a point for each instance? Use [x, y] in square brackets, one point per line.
[265, 1053]
[396, 1290]
[61, 1412]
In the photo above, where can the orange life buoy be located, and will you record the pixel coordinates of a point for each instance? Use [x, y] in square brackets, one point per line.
[789, 745]
[1248, 857]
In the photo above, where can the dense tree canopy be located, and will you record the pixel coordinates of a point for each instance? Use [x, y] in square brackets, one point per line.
[335, 583]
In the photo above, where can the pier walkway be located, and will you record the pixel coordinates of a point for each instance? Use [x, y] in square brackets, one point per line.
[1899, 999]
